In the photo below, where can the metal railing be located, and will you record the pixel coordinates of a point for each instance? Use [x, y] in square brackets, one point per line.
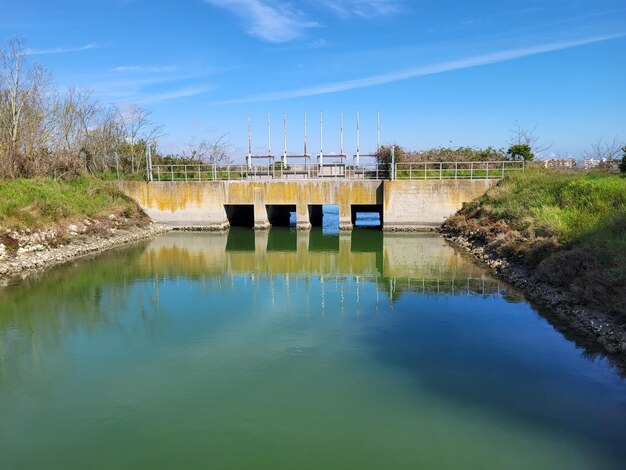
[376, 171]
[456, 170]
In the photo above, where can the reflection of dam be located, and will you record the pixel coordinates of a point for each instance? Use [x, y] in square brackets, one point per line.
[281, 272]
[416, 262]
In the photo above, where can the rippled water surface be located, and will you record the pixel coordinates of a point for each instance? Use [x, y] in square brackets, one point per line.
[294, 350]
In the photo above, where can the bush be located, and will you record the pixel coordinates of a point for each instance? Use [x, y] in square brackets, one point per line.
[539, 250]
[440, 154]
[520, 152]
[562, 268]
[570, 227]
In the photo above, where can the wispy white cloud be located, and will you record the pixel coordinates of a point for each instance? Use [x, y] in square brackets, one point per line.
[60, 50]
[154, 98]
[423, 70]
[365, 8]
[319, 43]
[269, 20]
[136, 86]
[145, 69]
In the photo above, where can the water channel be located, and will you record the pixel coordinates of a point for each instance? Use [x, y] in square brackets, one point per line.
[294, 350]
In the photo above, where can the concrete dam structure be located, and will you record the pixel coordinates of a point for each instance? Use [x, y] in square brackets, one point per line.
[403, 204]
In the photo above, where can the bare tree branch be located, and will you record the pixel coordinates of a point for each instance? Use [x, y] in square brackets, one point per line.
[217, 151]
[523, 136]
[601, 150]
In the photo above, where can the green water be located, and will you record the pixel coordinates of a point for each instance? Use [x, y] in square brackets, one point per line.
[288, 350]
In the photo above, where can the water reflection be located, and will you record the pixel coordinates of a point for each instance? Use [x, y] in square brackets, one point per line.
[380, 349]
[346, 274]
[282, 251]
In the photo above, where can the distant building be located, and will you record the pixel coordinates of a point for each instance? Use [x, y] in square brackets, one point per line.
[608, 164]
[560, 164]
[590, 163]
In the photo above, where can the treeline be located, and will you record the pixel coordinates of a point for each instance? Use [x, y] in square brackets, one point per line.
[62, 133]
[45, 131]
[442, 154]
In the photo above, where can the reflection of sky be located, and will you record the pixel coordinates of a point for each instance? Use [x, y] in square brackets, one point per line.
[330, 222]
[327, 370]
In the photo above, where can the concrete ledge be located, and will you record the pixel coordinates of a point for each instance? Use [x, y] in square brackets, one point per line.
[410, 228]
[200, 228]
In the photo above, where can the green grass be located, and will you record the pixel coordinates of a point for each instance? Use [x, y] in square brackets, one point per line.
[570, 226]
[577, 207]
[41, 202]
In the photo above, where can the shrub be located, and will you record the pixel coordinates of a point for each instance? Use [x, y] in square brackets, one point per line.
[562, 268]
[539, 250]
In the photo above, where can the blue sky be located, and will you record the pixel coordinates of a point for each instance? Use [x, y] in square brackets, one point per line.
[440, 73]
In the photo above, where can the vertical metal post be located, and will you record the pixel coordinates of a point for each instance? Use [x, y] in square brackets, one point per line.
[358, 137]
[285, 140]
[440, 169]
[487, 176]
[321, 140]
[117, 165]
[269, 136]
[149, 162]
[305, 154]
[393, 162]
[249, 144]
[341, 133]
[378, 135]
[503, 169]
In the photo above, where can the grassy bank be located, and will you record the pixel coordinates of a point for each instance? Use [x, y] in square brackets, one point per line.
[41, 203]
[570, 228]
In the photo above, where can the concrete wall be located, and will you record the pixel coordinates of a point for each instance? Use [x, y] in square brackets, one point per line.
[181, 204]
[201, 204]
[406, 205]
[424, 204]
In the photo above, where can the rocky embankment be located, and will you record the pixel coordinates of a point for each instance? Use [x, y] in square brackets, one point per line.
[594, 329]
[25, 251]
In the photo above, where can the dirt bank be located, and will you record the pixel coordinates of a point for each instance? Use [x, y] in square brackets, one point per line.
[596, 330]
[22, 252]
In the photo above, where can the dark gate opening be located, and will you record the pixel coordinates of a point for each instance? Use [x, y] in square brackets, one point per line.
[316, 215]
[281, 215]
[240, 215]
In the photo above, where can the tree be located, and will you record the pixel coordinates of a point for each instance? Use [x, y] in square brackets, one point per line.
[105, 139]
[604, 151]
[23, 107]
[75, 114]
[139, 126]
[520, 136]
[217, 152]
[622, 165]
[520, 152]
